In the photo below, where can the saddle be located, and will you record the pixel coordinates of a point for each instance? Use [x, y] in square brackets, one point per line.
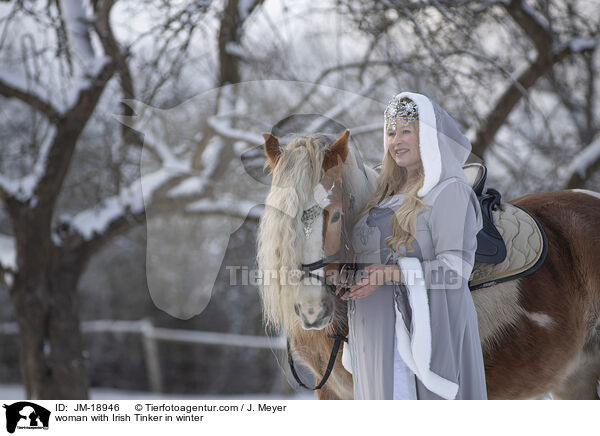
[511, 244]
[490, 245]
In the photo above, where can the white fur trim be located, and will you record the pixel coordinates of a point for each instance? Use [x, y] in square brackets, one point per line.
[428, 141]
[346, 358]
[416, 350]
[402, 380]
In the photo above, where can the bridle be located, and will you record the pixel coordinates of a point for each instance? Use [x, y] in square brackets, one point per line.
[337, 290]
[345, 245]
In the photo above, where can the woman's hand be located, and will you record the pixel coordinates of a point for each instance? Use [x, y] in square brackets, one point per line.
[377, 275]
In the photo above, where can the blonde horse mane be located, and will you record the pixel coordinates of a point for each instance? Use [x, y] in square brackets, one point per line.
[280, 235]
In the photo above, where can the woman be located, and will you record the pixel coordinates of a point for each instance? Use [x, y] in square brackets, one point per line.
[413, 325]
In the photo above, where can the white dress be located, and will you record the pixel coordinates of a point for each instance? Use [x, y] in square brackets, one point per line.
[366, 239]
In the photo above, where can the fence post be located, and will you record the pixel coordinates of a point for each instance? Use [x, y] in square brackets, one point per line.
[151, 356]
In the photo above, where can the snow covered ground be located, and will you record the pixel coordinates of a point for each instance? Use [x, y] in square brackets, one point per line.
[17, 392]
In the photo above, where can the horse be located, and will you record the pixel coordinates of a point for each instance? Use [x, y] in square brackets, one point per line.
[539, 333]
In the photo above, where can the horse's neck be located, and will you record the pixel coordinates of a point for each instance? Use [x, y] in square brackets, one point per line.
[367, 176]
[361, 181]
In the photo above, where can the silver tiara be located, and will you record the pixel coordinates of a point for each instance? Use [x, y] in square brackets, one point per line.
[405, 109]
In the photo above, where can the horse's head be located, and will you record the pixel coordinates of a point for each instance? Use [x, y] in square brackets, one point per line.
[306, 221]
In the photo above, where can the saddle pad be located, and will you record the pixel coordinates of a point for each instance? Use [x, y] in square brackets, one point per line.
[525, 245]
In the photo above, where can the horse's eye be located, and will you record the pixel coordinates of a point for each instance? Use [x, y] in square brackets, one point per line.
[335, 217]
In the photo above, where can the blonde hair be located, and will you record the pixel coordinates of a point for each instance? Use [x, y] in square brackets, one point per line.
[391, 180]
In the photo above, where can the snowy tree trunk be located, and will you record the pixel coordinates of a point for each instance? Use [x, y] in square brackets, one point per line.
[230, 35]
[44, 296]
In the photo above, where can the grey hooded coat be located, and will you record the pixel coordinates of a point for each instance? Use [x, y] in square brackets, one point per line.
[420, 340]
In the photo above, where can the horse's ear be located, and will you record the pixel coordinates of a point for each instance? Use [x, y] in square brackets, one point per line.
[272, 148]
[338, 149]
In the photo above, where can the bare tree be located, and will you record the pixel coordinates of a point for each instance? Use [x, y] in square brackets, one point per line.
[51, 251]
[43, 287]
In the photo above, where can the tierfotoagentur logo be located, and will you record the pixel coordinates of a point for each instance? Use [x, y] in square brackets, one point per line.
[241, 275]
[26, 415]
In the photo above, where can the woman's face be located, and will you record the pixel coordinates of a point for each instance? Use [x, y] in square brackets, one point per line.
[403, 144]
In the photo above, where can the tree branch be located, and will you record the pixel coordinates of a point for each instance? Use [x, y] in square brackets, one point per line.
[68, 130]
[584, 165]
[114, 51]
[70, 126]
[11, 90]
[231, 133]
[231, 207]
[361, 66]
[7, 255]
[532, 25]
[544, 62]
